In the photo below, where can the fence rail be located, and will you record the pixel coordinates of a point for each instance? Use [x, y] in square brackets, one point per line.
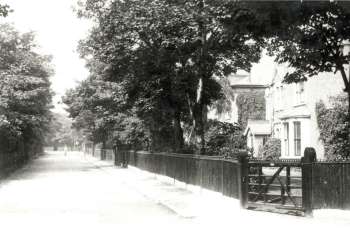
[213, 173]
[331, 185]
[324, 184]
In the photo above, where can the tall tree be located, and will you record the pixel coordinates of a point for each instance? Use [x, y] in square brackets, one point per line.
[315, 43]
[25, 98]
[168, 51]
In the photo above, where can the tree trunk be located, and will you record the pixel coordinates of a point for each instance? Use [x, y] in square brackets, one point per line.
[348, 118]
[115, 154]
[93, 148]
[201, 127]
[348, 91]
[178, 133]
[103, 151]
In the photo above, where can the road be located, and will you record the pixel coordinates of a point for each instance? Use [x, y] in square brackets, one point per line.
[57, 191]
[74, 191]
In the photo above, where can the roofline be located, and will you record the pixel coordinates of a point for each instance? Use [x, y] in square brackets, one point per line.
[253, 86]
[258, 120]
[294, 116]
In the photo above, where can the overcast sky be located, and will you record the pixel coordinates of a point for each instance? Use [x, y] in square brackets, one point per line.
[58, 31]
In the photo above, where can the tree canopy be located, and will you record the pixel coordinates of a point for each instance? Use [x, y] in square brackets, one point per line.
[25, 98]
[4, 10]
[166, 54]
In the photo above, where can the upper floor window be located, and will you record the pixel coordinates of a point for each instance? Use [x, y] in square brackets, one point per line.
[279, 97]
[300, 93]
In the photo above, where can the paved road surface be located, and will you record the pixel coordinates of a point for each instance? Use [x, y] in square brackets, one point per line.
[57, 191]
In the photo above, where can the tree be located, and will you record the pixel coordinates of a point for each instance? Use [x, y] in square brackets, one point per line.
[25, 98]
[168, 51]
[61, 132]
[4, 10]
[333, 129]
[314, 42]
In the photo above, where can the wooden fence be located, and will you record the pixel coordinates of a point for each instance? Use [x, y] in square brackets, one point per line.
[98, 153]
[213, 173]
[10, 161]
[325, 184]
[331, 185]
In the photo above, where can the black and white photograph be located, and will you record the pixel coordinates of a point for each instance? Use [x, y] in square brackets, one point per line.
[174, 114]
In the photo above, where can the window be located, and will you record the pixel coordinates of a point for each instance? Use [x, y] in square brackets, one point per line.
[286, 138]
[265, 139]
[297, 139]
[300, 93]
[281, 94]
[279, 97]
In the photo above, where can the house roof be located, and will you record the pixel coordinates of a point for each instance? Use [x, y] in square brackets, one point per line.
[250, 86]
[258, 127]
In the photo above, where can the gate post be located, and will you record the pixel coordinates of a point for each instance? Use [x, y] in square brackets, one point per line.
[243, 176]
[306, 171]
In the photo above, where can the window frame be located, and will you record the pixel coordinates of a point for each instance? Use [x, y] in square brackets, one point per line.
[297, 138]
[300, 93]
[286, 138]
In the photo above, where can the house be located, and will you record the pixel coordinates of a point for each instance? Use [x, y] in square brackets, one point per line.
[291, 114]
[257, 133]
[235, 85]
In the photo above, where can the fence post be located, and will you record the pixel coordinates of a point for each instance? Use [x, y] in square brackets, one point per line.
[243, 176]
[306, 171]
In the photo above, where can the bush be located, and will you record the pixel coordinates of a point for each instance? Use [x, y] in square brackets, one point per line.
[271, 150]
[223, 138]
[132, 132]
[334, 128]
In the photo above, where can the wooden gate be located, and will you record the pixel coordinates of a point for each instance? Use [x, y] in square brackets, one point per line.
[274, 186]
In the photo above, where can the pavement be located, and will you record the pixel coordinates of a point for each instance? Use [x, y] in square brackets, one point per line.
[78, 191]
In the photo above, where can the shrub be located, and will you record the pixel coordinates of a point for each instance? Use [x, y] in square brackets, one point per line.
[334, 127]
[271, 150]
[222, 138]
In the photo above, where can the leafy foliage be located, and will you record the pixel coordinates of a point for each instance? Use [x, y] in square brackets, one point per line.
[251, 105]
[60, 132]
[271, 150]
[334, 128]
[166, 52]
[91, 105]
[4, 10]
[25, 97]
[223, 138]
[313, 43]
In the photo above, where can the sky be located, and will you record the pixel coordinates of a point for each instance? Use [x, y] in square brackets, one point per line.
[58, 31]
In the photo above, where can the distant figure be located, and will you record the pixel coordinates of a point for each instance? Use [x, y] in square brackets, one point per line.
[65, 150]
